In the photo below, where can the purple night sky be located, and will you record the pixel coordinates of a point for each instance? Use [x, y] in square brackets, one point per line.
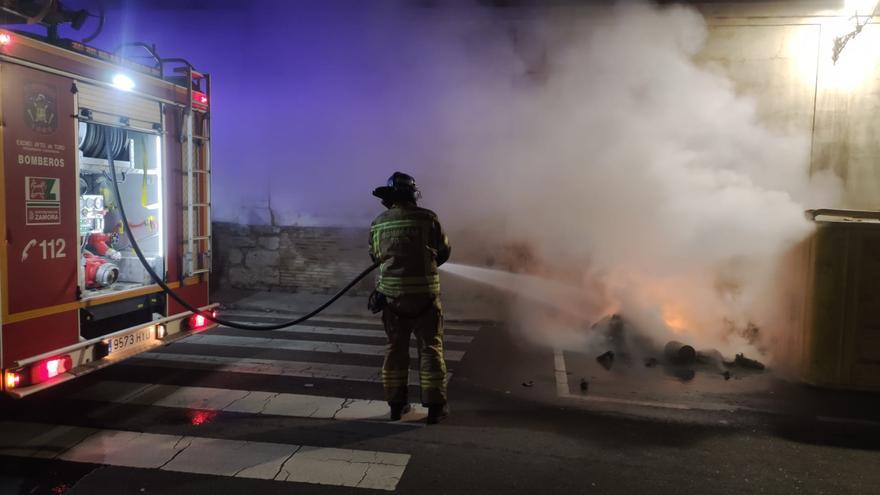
[319, 101]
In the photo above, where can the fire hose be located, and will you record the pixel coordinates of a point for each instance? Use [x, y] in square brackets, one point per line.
[208, 315]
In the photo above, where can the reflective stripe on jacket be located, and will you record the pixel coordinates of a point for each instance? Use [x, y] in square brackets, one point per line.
[409, 244]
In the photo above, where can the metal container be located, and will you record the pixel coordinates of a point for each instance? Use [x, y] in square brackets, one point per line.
[678, 353]
[842, 327]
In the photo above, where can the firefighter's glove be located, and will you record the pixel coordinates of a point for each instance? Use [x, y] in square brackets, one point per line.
[377, 302]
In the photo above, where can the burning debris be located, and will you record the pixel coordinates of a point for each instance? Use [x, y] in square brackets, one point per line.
[680, 354]
[616, 336]
[747, 363]
[606, 359]
[678, 359]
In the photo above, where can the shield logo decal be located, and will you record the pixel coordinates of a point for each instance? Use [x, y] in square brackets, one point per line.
[41, 107]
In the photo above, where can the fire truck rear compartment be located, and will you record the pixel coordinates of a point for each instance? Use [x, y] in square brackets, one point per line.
[108, 264]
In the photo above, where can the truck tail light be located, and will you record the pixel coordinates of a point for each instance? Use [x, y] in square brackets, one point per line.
[50, 368]
[198, 321]
[12, 379]
[38, 372]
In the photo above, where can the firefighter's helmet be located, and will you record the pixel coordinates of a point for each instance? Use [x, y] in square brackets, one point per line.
[400, 187]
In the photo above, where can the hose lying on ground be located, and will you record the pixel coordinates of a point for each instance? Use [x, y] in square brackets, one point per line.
[208, 315]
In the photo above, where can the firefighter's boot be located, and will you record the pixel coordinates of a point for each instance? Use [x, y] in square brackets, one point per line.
[398, 410]
[437, 414]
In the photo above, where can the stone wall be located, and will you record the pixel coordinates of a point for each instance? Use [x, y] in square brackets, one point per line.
[314, 260]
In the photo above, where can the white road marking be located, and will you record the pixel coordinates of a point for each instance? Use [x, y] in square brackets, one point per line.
[561, 373]
[360, 332]
[301, 345]
[244, 401]
[463, 326]
[267, 367]
[220, 457]
[357, 468]
[127, 448]
[243, 313]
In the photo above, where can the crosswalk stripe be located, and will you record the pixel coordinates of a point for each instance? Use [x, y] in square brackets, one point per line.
[214, 456]
[462, 326]
[360, 332]
[267, 367]
[302, 345]
[244, 401]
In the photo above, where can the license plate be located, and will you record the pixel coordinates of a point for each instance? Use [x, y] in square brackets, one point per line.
[130, 340]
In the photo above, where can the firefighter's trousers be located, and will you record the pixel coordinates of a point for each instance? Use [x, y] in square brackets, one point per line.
[421, 315]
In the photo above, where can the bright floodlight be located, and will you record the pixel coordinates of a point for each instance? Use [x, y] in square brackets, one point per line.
[5, 39]
[123, 82]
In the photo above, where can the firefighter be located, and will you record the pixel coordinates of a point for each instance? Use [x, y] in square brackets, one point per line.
[409, 244]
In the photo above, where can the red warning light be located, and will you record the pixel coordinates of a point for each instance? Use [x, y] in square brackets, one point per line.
[200, 100]
[50, 368]
[5, 39]
[197, 321]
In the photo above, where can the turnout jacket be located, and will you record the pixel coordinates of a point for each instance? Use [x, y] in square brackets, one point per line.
[409, 244]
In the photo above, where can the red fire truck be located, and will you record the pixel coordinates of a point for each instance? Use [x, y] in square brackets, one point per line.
[74, 296]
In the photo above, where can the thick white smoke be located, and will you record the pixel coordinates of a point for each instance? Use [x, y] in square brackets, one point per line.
[622, 164]
[586, 146]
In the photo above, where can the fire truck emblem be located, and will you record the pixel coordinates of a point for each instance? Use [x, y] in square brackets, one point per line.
[41, 109]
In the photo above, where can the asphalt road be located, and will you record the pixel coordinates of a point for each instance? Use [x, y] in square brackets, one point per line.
[300, 411]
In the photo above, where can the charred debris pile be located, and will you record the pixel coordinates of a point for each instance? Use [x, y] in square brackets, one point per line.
[622, 345]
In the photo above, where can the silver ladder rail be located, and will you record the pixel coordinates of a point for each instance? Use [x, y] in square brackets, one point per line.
[197, 209]
[189, 250]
